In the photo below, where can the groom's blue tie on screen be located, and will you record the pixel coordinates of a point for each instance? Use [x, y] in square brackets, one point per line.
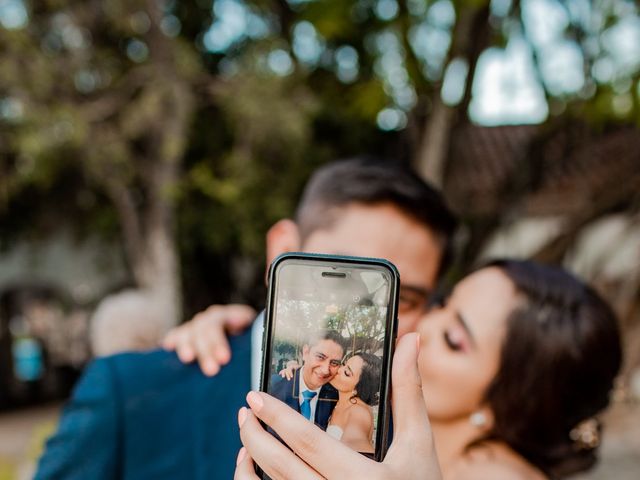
[305, 408]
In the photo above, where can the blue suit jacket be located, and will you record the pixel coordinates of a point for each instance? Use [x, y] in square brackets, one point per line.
[148, 416]
[289, 392]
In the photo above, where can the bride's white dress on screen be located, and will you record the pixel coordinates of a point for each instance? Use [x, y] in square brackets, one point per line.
[335, 431]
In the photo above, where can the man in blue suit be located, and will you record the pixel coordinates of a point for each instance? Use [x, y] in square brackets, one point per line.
[149, 416]
[308, 391]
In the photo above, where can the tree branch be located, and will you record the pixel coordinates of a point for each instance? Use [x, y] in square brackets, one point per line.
[471, 35]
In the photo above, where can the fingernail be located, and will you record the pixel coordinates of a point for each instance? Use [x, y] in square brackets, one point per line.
[186, 355]
[241, 454]
[255, 401]
[211, 367]
[242, 416]
[224, 357]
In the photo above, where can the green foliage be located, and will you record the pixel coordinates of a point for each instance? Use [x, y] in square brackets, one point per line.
[362, 327]
[96, 96]
[7, 469]
[332, 18]
[366, 99]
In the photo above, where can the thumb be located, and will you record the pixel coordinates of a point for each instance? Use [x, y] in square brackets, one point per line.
[412, 430]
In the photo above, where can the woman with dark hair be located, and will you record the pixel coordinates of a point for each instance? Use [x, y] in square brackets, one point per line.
[514, 367]
[357, 382]
[531, 354]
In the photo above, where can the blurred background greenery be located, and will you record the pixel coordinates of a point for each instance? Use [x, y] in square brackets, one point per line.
[177, 132]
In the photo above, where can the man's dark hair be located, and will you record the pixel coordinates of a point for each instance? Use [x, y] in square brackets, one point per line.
[317, 336]
[372, 181]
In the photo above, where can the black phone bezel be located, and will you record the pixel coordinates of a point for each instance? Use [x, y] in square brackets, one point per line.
[384, 408]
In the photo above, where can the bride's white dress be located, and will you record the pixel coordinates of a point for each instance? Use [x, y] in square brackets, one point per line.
[335, 431]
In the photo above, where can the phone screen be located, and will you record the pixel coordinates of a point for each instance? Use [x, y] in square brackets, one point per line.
[329, 345]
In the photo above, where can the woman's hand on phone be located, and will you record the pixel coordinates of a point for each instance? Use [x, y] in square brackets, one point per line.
[317, 455]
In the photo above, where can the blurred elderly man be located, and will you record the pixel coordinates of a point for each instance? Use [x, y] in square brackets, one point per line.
[126, 321]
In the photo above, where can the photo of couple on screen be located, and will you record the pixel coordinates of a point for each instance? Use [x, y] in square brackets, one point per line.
[327, 365]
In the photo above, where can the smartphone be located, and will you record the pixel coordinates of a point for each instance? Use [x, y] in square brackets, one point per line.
[330, 330]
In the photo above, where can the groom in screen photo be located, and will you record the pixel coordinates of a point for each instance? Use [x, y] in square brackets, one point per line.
[308, 391]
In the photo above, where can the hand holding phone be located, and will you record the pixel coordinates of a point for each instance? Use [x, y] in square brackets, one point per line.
[316, 455]
[335, 319]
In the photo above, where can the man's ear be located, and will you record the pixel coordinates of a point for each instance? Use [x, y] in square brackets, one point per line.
[282, 237]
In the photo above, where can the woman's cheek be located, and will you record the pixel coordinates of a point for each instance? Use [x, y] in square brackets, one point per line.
[447, 394]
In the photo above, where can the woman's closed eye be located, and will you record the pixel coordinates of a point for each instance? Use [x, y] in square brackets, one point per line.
[438, 301]
[454, 339]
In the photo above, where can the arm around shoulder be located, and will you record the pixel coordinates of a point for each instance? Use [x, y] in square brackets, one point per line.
[86, 444]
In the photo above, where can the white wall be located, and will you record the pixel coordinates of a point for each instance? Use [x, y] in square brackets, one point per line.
[85, 270]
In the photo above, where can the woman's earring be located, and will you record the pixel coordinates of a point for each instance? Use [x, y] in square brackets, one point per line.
[478, 419]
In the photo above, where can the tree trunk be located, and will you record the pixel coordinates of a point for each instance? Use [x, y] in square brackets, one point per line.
[471, 36]
[434, 147]
[161, 262]
[159, 272]
[158, 265]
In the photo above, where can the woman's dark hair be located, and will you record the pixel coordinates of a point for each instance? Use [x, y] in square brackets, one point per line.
[368, 387]
[558, 364]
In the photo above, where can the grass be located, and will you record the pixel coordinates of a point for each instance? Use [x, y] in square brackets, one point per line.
[10, 466]
[7, 469]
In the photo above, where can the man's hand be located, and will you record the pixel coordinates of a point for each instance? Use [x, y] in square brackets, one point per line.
[315, 455]
[205, 336]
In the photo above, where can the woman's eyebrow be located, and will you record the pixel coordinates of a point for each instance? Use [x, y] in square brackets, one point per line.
[415, 290]
[465, 325]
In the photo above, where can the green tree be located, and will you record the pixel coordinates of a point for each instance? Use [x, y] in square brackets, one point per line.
[186, 116]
